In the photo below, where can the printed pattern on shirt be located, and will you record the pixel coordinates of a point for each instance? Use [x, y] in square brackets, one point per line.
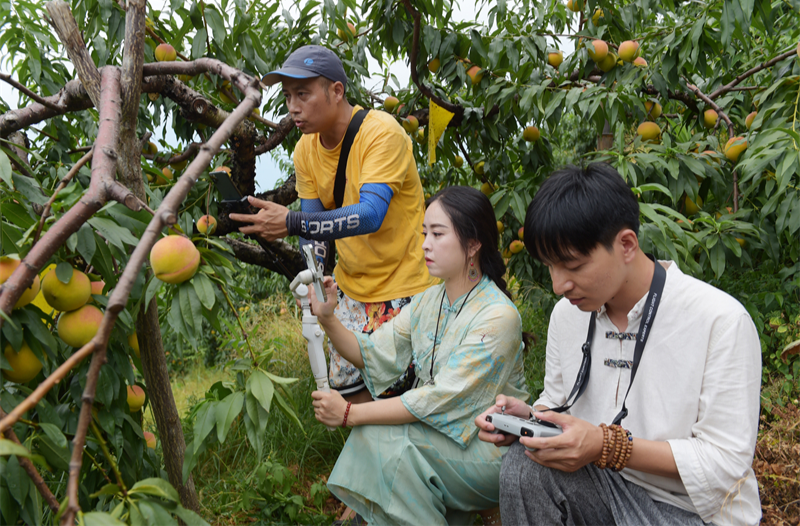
[611, 335]
[619, 364]
[364, 318]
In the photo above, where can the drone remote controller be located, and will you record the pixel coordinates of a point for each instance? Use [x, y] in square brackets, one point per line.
[521, 427]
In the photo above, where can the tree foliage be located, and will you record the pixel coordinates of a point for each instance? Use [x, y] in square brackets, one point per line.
[714, 216]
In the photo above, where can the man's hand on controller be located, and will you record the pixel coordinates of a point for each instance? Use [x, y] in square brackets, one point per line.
[580, 443]
[513, 407]
[269, 223]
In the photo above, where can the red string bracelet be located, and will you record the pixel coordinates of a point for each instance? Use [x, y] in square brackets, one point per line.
[346, 412]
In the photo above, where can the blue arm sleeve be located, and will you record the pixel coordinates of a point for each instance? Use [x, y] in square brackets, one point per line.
[358, 219]
[321, 248]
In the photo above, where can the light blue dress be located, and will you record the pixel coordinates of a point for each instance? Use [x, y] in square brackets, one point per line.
[435, 471]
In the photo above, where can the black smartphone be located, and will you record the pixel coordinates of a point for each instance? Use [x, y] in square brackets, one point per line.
[230, 194]
[238, 204]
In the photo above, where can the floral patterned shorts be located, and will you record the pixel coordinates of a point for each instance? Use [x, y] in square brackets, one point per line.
[365, 318]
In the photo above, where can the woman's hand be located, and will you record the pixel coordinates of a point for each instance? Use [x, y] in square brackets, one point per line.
[329, 408]
[324, 311]
[513, 407]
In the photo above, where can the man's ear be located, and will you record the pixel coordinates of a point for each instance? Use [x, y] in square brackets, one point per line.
[338, 91]
[628, 242]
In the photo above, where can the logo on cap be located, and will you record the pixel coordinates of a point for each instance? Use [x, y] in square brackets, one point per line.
[308, 61]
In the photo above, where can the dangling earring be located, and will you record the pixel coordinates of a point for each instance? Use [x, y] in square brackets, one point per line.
[473, 272]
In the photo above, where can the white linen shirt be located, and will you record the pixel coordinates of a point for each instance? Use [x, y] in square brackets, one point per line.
[697, 388]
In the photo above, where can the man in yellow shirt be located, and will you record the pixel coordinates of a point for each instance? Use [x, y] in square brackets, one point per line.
[377, 229]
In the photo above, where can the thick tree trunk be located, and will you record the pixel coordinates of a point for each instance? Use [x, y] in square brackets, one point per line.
[606, 139]
[154, 361]
[166, 415]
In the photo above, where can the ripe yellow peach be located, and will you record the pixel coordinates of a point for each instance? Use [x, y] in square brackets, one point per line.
[77, 328]
[649, 131]
[734, 148]
[174, 259]
[165, 53]
[600, 51]
[628, 50]
[26, 365]
[150, 439]
[135, 398]
[69, 296]
[516, 246]
[207, 224]
[7, 267]
[133, 341]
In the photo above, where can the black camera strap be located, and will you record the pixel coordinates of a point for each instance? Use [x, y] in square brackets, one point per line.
[347, 143]
[650, 309]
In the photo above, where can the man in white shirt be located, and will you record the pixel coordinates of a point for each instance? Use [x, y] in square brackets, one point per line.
[693, 405]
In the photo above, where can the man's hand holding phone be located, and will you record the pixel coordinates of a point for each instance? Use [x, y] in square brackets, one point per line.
[269, 223]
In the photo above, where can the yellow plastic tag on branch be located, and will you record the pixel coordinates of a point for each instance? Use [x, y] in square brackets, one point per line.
[438, 119]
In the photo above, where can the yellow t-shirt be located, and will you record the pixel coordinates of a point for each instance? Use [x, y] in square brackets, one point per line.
[387, 264]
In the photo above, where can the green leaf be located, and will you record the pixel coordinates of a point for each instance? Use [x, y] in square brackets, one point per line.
[287, 410]
[199, 43]
[152, 289]
[262, 389]
[17, 480]
[29, 188]
[86, 244]
[205, 421]
[217, 25]
[99, 518]
[226, 412]
[156, 487]
[204, 289]
[189, 517]
[5, 170]
[155, 514]
[114, 234]
[64, 272]
[8, 447]
[108, 489]
[54, 434]
[280, 379]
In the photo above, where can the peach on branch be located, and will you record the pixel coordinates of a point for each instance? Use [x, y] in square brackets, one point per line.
[77, 328]
[734, 148]
[516, 246]
[600, 51]
[628, 50]
[8, 265]
[653, 109]
[500, 227]
[458, 162]
[480, 169]
[531, 134]
[174, 259]
[207, 224]
[640, 62]
[555, 58]
[710, 118]
[25, 364]
[150, 439]
[475, 74]
[135, 398]
[574, 5]
[66, 296]
[165, 53]
[649, 131]
[487, 188]
[521, 232]
[390, 103]
[692, 207]
[411, 124]
[598, 14]
[351, 32]
[748, 121]
[433, 65]
[609, 62]
[133, 341]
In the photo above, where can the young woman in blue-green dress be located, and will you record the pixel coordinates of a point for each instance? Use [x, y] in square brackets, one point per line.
[415, 459]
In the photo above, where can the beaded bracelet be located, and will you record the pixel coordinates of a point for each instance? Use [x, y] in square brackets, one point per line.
[617, 448]
[346, 412]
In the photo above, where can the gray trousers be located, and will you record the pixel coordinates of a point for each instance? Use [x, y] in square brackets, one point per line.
[531, 494]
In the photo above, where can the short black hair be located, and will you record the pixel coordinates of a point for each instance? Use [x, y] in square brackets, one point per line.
[576, 209]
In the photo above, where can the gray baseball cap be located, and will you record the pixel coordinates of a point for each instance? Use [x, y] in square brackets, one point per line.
[309, 62]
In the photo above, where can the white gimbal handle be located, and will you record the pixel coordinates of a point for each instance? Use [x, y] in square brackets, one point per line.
[312, 332]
